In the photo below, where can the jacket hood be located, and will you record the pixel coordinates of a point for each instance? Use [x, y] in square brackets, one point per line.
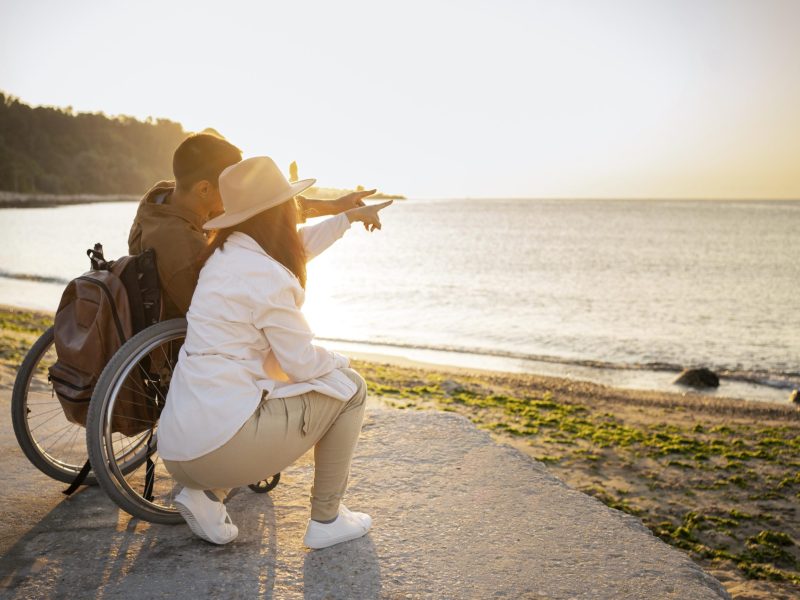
[149, 209]
[157, 189]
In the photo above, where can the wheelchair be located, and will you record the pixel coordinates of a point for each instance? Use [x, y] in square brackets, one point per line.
[125, 465]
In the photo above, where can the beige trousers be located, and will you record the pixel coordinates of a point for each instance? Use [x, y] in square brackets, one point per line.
[280, 431]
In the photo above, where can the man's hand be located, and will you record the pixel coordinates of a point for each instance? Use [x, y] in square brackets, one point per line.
[352, 200]
[311, 208]
[368, 215]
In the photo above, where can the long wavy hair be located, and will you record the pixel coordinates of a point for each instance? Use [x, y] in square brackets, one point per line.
[275, 230]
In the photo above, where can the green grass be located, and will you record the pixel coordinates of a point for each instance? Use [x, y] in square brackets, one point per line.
[22, 321]
[18, 332]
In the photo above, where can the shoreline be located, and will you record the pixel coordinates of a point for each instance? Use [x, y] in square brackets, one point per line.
[543, 383]
[716, 477]
[639, 378]
[697, 402]
[660, 378]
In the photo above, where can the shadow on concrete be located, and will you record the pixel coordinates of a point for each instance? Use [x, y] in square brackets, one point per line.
[86, 547]
[351, 571]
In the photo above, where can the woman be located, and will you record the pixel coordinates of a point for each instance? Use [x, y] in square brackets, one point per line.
[250, 393]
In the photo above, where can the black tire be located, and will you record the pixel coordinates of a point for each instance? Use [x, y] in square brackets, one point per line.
[120, 464]
[54, 445]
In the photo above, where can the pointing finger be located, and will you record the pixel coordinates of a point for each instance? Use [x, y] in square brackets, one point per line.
[382, 205]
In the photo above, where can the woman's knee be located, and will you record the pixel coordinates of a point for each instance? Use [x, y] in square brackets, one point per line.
[360, 394]
[179, 474]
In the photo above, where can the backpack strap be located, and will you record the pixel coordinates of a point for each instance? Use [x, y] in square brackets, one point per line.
[97, 259]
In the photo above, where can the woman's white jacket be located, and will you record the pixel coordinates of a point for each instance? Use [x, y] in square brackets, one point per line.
[246, 339]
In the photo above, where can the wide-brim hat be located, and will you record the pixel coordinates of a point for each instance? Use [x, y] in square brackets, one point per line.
[250, 187]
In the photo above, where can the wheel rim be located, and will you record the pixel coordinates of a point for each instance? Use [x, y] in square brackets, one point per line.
[126, 456]
[59, 442]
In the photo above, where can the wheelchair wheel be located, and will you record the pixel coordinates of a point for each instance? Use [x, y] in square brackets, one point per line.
[265, 485]
[54, 445]
[128, 467]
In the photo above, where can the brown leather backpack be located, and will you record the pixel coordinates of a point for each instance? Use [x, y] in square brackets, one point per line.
[99, 311]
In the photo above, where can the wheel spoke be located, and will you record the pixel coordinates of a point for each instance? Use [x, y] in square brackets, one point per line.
[57, 413]
[67, 426]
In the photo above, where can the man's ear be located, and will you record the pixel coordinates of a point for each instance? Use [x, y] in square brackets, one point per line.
[202, 188]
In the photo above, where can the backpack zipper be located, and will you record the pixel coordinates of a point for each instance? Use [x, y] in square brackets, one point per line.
[77, 388]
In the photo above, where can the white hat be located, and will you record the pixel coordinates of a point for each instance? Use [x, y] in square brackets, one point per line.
[250, 187]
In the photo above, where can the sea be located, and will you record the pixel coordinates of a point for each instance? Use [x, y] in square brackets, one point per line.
[620, 292]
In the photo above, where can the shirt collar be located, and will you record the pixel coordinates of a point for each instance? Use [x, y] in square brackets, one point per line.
[242, 240]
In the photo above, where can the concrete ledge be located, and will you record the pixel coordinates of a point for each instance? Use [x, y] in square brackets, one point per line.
[455, 516]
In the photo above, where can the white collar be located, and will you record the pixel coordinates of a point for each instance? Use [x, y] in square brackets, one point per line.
[242, 240]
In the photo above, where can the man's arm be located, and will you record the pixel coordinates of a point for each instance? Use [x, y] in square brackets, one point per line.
[310, 208]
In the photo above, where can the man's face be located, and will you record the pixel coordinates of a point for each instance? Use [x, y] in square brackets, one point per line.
[214, 202]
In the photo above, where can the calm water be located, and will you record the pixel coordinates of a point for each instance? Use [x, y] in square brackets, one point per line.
[606, 286]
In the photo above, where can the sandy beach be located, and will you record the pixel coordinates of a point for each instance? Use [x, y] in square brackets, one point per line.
[717, 477]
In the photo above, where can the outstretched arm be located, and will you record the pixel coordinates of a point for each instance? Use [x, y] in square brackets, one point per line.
[318, 238]
[310, 208]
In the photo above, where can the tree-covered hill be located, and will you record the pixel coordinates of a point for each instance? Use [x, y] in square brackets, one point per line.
[56, 151]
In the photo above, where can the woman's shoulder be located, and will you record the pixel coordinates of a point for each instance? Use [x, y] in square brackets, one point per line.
[241, 258]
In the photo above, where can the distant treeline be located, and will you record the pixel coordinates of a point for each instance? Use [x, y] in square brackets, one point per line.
[56, 151]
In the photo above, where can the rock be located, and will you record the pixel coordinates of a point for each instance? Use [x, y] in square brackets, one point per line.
[449, 386]
[794, 397]
[698, 378]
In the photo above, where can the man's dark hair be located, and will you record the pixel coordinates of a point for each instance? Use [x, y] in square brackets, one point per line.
[202, 156]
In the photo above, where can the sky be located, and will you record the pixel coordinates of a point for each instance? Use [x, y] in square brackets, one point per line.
[445, 98]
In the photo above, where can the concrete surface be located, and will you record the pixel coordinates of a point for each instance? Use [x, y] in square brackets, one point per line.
[455, 516]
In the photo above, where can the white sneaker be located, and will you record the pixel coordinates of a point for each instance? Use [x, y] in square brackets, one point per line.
[207, 518]
[363, 517]
[347, 526]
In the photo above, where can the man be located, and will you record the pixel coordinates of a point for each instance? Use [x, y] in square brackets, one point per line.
[171, 215]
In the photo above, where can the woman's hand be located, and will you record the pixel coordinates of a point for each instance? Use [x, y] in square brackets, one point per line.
[368, 215]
